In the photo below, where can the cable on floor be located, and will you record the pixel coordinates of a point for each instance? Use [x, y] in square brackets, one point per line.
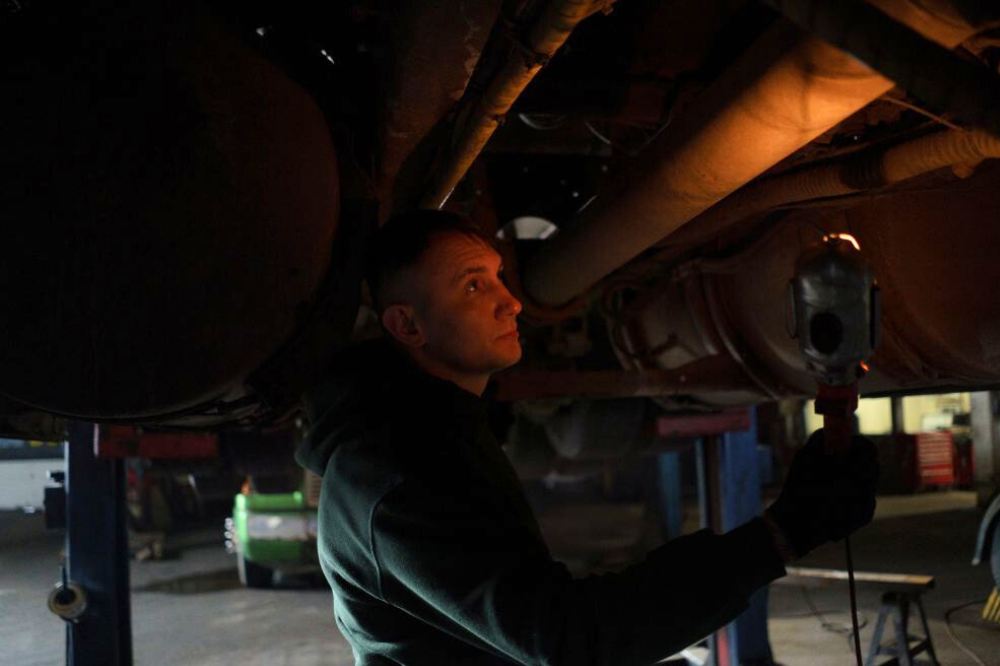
[838, 628]
[951, 632]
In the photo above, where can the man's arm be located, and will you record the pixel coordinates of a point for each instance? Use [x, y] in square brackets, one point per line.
[441, 559]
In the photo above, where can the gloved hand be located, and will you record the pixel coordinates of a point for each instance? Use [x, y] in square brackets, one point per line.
[826, 496]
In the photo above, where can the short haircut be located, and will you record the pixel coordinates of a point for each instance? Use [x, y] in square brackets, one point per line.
[403, 240]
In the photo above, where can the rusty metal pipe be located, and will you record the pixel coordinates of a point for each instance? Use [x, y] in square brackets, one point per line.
[428, 63]
[786, 90]
[487, 112]
[866, 170]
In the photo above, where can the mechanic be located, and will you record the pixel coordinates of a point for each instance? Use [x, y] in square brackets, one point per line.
[425, 536]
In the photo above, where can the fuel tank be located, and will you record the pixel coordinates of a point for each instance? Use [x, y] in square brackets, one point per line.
[169, 203]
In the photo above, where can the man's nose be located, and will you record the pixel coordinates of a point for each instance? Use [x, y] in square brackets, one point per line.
[508, 304]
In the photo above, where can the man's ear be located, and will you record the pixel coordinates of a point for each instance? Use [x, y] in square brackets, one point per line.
[399, 320]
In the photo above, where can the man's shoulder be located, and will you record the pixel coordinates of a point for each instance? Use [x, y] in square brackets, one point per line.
[361, 472]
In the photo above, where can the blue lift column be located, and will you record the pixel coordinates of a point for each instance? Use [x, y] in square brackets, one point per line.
[729, 494]
[668, 471]
[97, 553]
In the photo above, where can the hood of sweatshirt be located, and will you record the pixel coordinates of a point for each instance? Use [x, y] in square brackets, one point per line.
[367, 385]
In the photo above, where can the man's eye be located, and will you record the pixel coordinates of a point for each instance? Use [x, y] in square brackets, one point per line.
[472, 286]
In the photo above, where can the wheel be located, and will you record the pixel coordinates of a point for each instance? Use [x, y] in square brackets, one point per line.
[253, 575]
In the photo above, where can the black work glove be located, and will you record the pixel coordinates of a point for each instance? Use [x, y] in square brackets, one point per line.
[826, 496]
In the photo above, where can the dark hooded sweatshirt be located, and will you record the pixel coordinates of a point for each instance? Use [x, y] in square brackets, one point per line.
[435, 557]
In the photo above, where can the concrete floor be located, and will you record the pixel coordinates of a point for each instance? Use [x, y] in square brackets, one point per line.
[186, 612]
[922, 534]
[191, 611]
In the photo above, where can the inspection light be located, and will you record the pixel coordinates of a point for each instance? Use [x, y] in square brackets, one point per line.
[844, 237]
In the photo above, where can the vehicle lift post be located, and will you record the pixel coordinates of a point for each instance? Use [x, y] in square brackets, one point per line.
[729, 494]
[99, 624]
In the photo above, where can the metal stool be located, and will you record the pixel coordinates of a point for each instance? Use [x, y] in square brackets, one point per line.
[897, 604]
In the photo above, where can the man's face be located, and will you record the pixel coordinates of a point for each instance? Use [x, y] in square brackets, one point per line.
[464, 310]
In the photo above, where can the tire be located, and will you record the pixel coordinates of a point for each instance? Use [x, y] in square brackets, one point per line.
[254, 575]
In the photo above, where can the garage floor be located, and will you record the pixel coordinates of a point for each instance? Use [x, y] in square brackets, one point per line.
[192, 611]
[924, 534]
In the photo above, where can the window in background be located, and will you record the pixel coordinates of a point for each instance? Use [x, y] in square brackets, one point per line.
[927, 413]
[874, 416]
[921, 413]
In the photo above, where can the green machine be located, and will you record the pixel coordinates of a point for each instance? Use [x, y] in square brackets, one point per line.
[274, 532]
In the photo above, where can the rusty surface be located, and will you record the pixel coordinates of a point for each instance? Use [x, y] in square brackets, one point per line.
[485, 112]
[432, 51]
[932, 254]
[709, 375]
